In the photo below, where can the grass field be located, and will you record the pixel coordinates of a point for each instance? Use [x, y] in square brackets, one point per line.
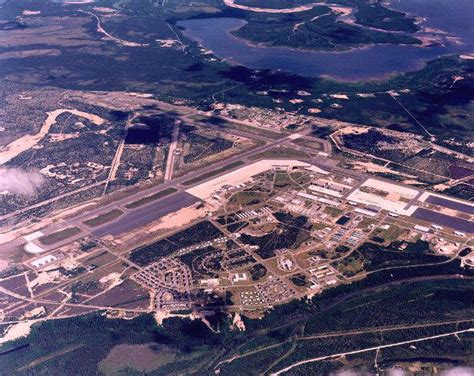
[58, 236]
[151, 198]
[104, 218]
[213, 173]
[286, 153]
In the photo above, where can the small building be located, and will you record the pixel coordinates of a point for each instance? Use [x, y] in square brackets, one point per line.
[239, 277]
[422, 228]
[42, 261]
[285, 264]
[373, 208]
[369, 213]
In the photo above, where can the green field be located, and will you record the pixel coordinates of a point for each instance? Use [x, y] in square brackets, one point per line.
[58, 236]
[104, 218]
[151, 198]
[211, 174]
[281, 152]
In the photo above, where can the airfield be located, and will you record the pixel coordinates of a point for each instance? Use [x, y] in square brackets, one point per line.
[278, 221]
[167, 207]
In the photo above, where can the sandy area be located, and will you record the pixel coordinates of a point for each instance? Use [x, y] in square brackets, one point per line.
[168, 43]
[339, 96]
[28, 141]
[104, 10]
[35, 312]
[296, 101]
[22, 329]
[45, 278]
[353, 130]
[78, 1]
[58, 137]
[113, 278]
[441, 187]
[31, 12]
[317, 170]
[7, 237]
[345, 11]
[118, 100]
[20, 54]
[69, 211]
[3, 264]
[302, 8]
[160, 316]
[337, 8]
[178, 219]
[405, 192]
[33, 248]
[238, 323]
[412, 182]
[372, 167]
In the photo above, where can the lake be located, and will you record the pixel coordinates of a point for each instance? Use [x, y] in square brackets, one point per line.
[378, 61]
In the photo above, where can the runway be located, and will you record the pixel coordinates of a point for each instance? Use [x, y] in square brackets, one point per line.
[146, 214]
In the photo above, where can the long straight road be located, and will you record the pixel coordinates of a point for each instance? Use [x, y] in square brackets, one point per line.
[172, 151]
[375, 348]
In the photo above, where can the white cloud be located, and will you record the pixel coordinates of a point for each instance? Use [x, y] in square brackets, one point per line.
[18, 181]
[396, 372]
[349, 372]
[459, 371]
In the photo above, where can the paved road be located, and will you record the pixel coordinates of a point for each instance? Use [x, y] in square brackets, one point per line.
[441, 219]
[369, 349]
[172, 151]
[147, 214]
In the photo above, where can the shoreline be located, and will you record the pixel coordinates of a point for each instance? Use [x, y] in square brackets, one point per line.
[416, 65]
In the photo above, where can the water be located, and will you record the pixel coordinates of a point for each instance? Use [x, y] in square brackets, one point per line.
[452, 16]
[378, 61]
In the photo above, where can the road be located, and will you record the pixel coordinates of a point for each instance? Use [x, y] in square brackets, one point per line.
[172, 151]
[381, 329]
[297, 9]
[107, 35]
[147, 214]
[118, 154]
[375, 348]
[49, 302]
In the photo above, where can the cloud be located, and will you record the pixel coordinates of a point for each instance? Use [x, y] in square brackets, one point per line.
[396, 372]
[455, 371]
[459, 371]
[18, 181]
[348, 372]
